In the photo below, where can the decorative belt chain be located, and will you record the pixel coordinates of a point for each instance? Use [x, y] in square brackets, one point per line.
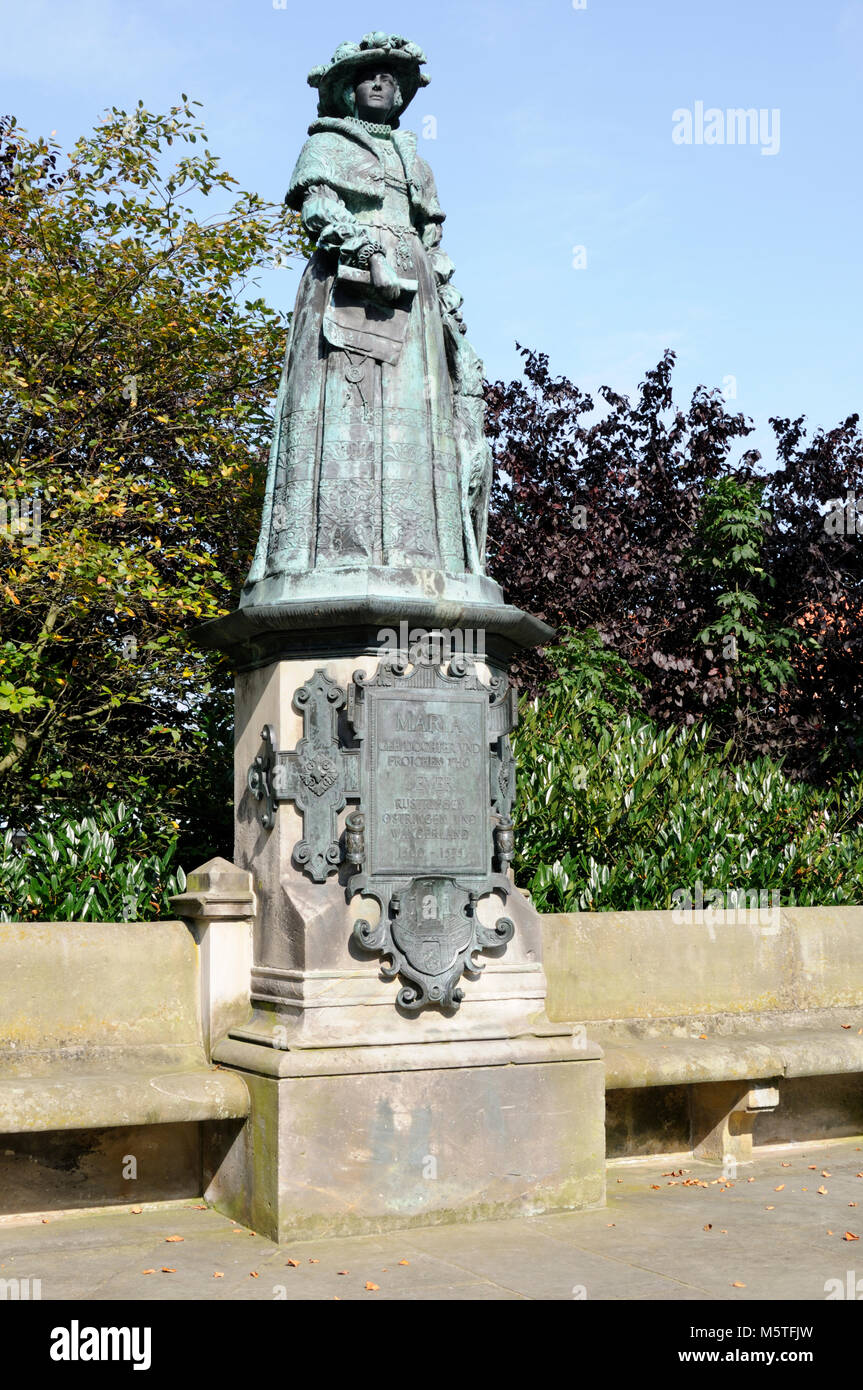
[401, 231]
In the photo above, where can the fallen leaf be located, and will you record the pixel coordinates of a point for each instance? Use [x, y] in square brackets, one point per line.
[825, 1174]
[295, 1264]
[169, 1240]
[370, 1285]
[343, 1271]
[654, 1187]
[148, 1271]
[217, 1274]
[314, 1262]
[737, 1285]
[723, 1233]
[769, 1208]
[813, 1167]
[136, 1211]
[785, 1165]
[849, 1235]
[404, 1262]
[822, 1192]
[708, 1227]
[844, 1025]
[614, 1223]
[780, 1188]
[166, 1270]
[852, 1204]
[253, 1274]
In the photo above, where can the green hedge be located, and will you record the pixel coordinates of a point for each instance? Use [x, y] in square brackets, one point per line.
[107, 866]
[614, 813]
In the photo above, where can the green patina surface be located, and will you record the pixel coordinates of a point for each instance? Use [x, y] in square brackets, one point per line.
[376, 500]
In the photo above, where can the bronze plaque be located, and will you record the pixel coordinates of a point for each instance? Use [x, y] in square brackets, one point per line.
[428, 763]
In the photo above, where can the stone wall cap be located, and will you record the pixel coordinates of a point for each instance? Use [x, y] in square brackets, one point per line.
[219, 876]
[216, 889]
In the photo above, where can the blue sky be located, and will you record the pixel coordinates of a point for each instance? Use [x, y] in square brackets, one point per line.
[553, 131]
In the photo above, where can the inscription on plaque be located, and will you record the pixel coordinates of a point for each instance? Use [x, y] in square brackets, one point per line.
[428, 756]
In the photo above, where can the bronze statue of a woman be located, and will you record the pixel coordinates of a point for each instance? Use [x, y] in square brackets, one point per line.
[379, 461]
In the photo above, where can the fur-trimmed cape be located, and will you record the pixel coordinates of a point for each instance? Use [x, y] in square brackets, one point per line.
[340, 153]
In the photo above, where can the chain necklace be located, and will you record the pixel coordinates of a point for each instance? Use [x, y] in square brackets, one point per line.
[383, 132]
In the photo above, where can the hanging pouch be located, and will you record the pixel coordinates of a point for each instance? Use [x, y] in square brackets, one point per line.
[357, 320]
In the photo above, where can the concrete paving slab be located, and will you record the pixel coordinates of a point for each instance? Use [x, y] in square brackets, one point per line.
[648, 1244]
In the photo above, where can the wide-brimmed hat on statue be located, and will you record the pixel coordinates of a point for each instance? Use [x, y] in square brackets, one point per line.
[337, 79]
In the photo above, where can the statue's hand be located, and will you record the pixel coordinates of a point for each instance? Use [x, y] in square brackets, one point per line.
[384, 279]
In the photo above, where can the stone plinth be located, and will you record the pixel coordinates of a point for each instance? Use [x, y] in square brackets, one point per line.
[417, 1134]
[364, 1114]
[309, 980]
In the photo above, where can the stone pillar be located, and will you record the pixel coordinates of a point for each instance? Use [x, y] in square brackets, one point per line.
[364, 1115]
[722, 1116]
[219, 905]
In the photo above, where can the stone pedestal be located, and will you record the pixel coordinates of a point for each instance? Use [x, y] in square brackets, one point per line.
[415, 1134]
[365, 1114]
[310, 981]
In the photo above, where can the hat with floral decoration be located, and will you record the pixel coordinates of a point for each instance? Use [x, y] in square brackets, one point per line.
[337, 79]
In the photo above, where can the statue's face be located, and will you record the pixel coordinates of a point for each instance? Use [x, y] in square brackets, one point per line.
[375, 95]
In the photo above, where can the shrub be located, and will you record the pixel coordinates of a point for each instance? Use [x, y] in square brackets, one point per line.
[107, 866]
[613, 812]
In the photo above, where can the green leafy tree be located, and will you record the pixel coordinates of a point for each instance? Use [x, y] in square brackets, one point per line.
[137, 371]
[589, 677]
[728, 544]
[595, 521]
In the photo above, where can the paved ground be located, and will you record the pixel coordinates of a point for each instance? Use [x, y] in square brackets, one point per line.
[777, 1232]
